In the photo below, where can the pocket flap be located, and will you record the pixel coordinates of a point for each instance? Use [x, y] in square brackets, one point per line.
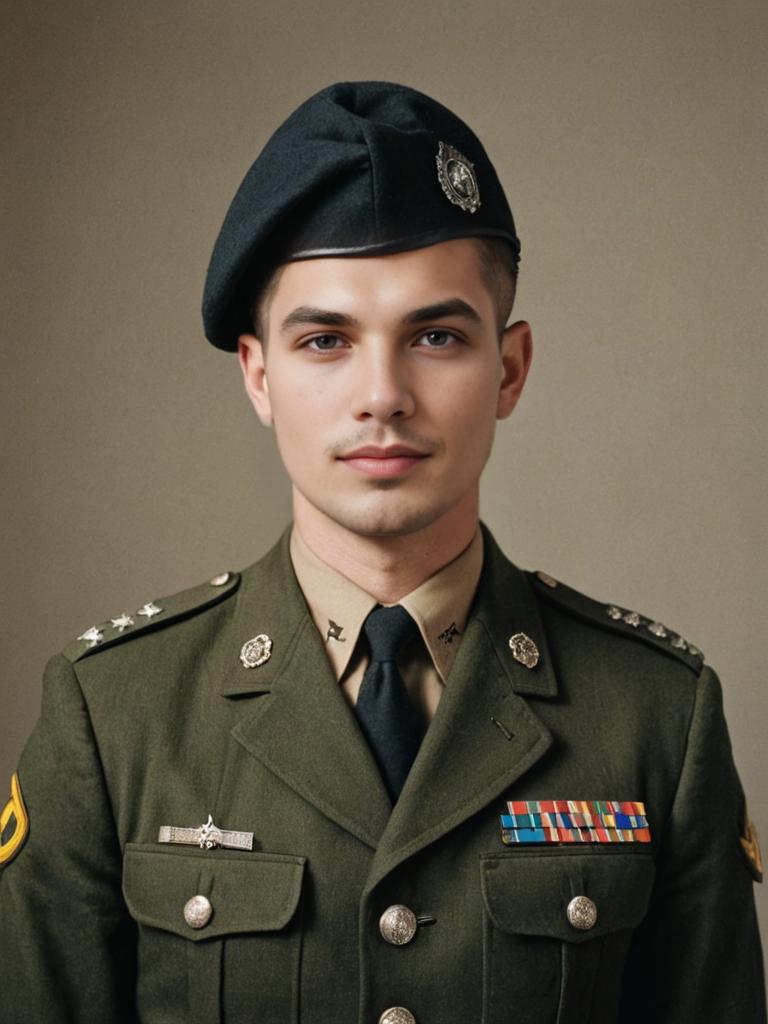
[248, 892]
[528, 892]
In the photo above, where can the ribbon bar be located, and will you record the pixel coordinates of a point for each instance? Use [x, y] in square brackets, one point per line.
[575, 821]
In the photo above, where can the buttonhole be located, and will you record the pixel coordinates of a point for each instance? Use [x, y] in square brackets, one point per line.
[502, 727]
[426, 920]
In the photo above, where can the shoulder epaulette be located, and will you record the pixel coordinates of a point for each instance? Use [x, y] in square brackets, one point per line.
[152, 615]
[623, 620]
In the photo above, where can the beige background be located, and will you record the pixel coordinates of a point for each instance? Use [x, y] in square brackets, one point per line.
[630, 136]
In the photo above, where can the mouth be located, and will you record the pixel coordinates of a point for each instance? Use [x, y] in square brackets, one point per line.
[388, 462]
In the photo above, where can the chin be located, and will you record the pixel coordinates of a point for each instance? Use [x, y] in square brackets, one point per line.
[385, 522]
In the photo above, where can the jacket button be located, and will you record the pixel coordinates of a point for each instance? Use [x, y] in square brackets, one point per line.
[197, 911]
[397, 1015]
[398, 925]
[582, 913]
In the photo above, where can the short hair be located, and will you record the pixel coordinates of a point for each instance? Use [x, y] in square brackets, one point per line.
[498, 266]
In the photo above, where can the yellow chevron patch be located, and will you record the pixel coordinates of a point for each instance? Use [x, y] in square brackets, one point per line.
[14, 824]
[751, 848]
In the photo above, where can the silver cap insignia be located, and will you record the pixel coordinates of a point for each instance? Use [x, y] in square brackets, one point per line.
[457, 178]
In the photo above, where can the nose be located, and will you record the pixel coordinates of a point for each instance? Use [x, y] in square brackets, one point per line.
[382, 389]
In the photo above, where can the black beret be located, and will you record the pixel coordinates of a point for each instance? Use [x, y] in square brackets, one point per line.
[360, 168]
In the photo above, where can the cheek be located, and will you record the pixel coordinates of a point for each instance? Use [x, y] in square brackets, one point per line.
[296, 405]
[465, 406]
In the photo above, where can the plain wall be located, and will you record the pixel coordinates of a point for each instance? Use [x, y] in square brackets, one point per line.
[631, 139]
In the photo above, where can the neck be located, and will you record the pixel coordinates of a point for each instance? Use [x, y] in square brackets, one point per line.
[387, 567]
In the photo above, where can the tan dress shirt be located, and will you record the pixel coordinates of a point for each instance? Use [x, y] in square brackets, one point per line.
[439, 606]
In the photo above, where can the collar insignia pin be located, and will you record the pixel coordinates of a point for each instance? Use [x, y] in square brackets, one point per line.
[524, 650]
[256, 651]
[448, 634]
[334, 632]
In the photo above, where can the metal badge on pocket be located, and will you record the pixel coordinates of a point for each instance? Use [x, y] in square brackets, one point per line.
[207, 837]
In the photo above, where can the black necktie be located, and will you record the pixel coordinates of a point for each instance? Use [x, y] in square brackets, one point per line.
[392, 725]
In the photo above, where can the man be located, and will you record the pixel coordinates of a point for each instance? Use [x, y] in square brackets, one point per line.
[383, 775]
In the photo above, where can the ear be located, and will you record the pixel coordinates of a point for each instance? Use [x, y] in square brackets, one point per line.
[516, 351]
[250, 353]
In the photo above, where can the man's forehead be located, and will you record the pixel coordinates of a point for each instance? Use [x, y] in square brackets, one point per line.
[442, 280]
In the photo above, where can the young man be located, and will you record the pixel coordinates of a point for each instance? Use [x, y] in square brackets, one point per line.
[383, 775]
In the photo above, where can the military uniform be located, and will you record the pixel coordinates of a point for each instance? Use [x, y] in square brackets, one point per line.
[162, 725]
[198, 829]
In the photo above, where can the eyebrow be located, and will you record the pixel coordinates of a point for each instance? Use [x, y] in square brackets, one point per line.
[303, 315]
[440, 310]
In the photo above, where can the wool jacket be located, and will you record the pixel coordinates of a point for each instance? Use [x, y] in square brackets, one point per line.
[162, 725]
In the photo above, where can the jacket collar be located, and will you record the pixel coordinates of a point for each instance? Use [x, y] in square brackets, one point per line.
[483, 737]
[270, 601]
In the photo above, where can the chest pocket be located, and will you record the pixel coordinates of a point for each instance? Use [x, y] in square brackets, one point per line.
[540, 967]
[231, 954]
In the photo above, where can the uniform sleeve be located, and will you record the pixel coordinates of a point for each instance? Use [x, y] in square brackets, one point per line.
[697, 957]
[67, 947]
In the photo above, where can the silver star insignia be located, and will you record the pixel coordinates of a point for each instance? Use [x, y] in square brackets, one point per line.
[149, 610]
[93, 636]
[121, 622]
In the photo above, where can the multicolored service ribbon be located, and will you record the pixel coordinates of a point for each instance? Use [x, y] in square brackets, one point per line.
[575, 821]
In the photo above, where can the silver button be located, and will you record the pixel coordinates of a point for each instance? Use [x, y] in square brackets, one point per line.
[582, 913]
[220, 580]
[398, 925]
[397, 1015]
[198, 911]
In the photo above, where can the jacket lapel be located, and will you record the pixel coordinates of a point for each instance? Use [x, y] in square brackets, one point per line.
[484, 735]
[301, 727]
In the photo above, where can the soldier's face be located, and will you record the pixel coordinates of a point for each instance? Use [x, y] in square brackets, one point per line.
[383, 378]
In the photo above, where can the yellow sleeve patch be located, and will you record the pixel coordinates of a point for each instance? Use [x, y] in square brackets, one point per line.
[751, 848]
[14, 824]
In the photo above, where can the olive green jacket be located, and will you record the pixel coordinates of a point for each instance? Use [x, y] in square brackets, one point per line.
[162, 724]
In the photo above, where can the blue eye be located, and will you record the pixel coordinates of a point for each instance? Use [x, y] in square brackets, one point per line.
[437, 339]
[323, 343]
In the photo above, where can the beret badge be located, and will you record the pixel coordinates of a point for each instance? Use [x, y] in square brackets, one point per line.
[457, 178]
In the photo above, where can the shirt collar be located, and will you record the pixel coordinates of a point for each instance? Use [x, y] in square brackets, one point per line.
[439, 606]
[337, 605]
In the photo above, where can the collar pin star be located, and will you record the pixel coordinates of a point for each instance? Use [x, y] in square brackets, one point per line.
[149, 610]
[121, 622]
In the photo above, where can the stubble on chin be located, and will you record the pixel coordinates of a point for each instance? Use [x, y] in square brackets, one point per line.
[381, 520]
